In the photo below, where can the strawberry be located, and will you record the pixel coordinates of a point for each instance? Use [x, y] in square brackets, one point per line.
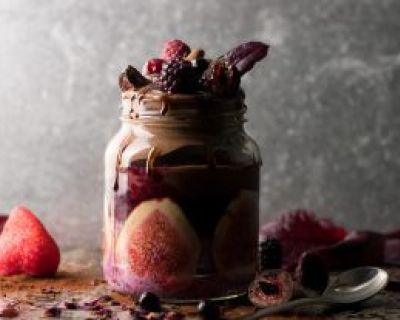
[26, 247]
[174, 49]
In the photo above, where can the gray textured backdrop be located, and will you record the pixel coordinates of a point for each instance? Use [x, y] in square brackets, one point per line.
[324, 107]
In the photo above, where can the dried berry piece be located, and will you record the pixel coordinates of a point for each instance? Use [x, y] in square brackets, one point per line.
[208, 310]
[221, 79]
[174, 49]
[271, 287]
[153, 67]
[124, 83]
[71, 305]
[52, 312]
[244, 56]
[9, 311]
[270, 254]
[177, 76]
[135, 77]
[149, 301]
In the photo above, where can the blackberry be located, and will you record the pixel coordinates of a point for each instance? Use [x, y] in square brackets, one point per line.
[177, 76]
[270, 254]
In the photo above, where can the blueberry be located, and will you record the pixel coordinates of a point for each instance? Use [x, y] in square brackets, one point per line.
[150, 302]
[208, 310]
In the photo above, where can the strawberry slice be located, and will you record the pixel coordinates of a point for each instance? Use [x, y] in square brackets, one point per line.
[26, 247]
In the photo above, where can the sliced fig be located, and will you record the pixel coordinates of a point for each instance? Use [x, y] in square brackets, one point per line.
[236, 236]
[157, 248]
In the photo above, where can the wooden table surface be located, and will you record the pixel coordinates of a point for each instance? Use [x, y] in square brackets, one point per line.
[80, 278]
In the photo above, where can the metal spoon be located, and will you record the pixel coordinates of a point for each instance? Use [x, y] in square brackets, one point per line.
[349, 287]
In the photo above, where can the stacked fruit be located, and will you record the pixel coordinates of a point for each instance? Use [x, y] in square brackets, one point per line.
[181, 69]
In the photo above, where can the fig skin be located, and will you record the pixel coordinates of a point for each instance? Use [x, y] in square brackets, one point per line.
[157, 248]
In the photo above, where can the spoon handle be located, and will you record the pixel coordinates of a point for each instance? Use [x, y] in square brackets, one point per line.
[283, 307]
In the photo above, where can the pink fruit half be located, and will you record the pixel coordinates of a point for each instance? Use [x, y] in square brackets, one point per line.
[157, 248]
[236, 237]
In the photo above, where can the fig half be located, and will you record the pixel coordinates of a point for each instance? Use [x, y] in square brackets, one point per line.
[236, 237]
[157, 248]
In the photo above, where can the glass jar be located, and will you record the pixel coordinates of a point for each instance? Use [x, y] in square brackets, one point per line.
[181, 198]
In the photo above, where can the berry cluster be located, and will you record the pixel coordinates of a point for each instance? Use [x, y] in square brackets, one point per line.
[180, 69]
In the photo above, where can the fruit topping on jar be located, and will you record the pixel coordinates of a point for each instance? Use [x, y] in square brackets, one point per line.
[180, 69]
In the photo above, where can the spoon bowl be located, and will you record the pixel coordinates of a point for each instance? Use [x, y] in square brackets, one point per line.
[356, 285]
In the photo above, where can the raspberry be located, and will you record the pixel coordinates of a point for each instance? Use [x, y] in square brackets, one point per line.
[299, 231]
[153, 66]
[221, 78]
[177, 76]
[270, 254]
[175, 49]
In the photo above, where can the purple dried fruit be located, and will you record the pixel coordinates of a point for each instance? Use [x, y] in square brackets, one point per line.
[70, 305]
[131, 78]
[52, 312]
[221, 79]
[244, 56]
